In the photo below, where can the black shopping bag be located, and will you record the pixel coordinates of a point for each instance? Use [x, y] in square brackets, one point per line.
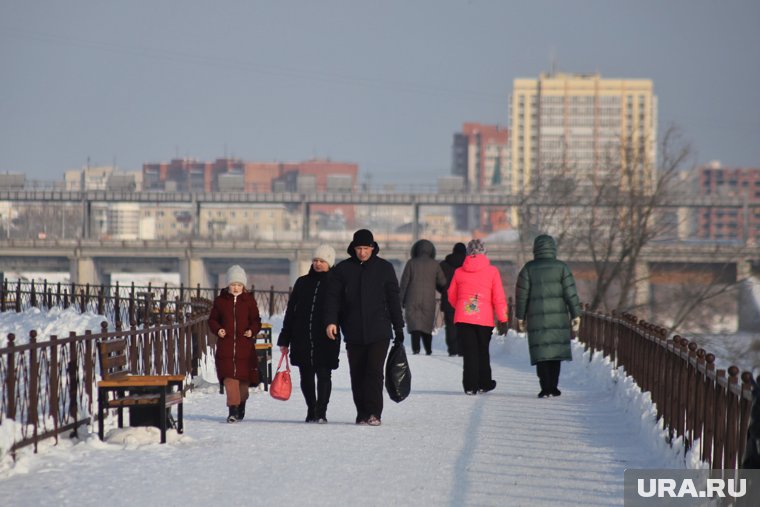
[398, 376]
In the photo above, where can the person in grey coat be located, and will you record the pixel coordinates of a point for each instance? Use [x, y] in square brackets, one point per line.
[547, 303]
[421, 278]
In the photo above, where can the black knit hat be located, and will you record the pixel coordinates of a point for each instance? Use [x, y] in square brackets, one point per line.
[363, 237]
[460, 248]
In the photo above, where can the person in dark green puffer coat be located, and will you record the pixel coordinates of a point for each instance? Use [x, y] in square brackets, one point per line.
[547, 301]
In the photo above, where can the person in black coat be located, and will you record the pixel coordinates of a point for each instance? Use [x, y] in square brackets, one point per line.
[450, 264]
[303, 333]
[363, 300]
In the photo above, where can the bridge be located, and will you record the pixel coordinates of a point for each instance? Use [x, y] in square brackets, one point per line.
[196, 200]
[202, 262]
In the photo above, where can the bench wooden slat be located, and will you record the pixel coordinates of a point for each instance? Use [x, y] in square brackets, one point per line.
[144, 399]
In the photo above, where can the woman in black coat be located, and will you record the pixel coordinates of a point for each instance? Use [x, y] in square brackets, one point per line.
[303, 334]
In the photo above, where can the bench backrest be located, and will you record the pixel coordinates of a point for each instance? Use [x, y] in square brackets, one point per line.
[112, 355]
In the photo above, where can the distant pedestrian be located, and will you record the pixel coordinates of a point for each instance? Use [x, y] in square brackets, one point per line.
[363, 300]
[304, 335]
[235, 319]
[547, 304]
[421, 278]
[452, 261]
[477, 295]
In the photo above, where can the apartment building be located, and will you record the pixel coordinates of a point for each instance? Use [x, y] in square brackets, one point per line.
[581, 130]
[581, 126]
[733, 224]
[480, 157]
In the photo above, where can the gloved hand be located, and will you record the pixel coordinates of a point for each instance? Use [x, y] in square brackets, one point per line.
[399, 339]
[521, 325]
[502, 328]
[576, 324]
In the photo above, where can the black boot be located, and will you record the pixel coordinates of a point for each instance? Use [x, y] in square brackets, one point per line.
[233, 414]
[241, 411]
[310, 415]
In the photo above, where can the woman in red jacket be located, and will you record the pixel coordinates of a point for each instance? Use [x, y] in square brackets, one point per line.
[478, 299]
[235, 320]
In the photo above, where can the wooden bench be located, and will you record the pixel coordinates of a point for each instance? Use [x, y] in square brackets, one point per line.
[263, 346]
[119, 389]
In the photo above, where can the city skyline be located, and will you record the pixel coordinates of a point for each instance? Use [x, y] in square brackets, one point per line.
[383, 86]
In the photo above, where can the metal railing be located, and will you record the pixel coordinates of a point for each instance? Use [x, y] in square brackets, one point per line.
[48, 383]
[125, 303]
[695, 401]
[48, 386]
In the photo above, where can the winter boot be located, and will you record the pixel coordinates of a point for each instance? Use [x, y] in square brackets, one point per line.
[310, 415]
[490, 387]
[241, 411]
[233, 414]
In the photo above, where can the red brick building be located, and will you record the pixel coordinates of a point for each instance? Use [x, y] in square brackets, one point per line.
[729, 223]
[226, 174]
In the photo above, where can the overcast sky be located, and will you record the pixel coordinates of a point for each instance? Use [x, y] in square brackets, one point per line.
[384, 84]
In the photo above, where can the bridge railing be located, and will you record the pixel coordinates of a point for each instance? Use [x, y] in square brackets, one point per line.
[695, 402]
[123, 303]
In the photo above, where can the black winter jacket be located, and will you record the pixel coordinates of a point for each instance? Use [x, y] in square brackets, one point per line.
[303, 328]
[449, 265]
[363, 299]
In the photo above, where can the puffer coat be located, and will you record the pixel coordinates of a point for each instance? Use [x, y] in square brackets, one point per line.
[546, 298]
[421, 278]
[304, 325]
[476, 293]
[236, 315]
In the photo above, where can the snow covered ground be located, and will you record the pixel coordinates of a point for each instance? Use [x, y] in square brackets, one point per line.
[438, 447]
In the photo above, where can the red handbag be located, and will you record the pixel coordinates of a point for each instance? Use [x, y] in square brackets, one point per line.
[281, 385]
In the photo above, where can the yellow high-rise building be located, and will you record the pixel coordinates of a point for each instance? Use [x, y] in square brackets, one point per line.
[582, 127]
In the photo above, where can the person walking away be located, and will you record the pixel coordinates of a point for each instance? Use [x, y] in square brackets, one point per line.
[421, 278]
[452, 261]
[304, 335]
[547, 303]
[235, 319]
[477, 295]
[363, 301]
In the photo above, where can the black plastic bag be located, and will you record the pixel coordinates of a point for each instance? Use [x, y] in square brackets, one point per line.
[398, 376]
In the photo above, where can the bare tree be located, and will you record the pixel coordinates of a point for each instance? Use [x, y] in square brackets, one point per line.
[611, 217]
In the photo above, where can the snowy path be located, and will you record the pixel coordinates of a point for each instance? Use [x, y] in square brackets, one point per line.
[438, 447]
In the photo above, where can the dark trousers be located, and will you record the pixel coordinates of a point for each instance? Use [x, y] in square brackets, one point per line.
[427, 342]
[451, 333]
[474, 341]
[548, 374]
[317, 396]
[366, 363]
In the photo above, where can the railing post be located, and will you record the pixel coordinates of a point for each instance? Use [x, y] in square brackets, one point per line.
[53, 384]
[271, 301]
[32, 294]
[732, 417]
[34, 380]
[720, 419]
[73, 375]
[101, 302]
[11, 372]
[3, 294]
[709, 417]
[89, 369]
[18, 297]
[745, 409]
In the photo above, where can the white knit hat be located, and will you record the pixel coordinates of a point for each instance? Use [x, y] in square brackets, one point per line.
[236, 274]
[326, 253]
